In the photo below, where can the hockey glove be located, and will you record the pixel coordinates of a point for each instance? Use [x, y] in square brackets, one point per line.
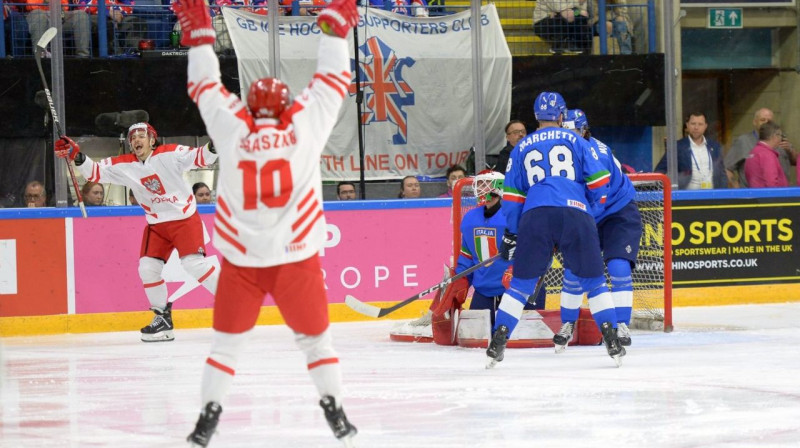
[66, 148]
[507, 276]
[338, 18]
[454, 295]
[195, 21]
[509, 245]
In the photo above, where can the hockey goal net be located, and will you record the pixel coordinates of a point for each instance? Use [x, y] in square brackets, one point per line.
[652, 278]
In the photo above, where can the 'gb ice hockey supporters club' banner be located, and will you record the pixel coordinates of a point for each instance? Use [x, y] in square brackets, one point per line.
[416, 78]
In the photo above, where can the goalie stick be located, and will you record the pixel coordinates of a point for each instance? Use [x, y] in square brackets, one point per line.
[375, 311]
[40, 48]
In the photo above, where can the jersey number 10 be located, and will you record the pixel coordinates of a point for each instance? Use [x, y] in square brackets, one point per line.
[273, 181]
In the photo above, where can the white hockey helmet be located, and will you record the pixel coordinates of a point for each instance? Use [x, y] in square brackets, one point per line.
[488, 183]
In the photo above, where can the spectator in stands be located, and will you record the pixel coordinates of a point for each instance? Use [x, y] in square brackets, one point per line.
[744, 144]
[409, 188]
[93, 194]
[346, 191]
[202, 193]
[35, 195]
[515, 131]
[415, 8]
[132, 199]
[564, 24]
[454, 173]
[699, 158]
[618, 24]
[124, 30]
[762, 168]
[304, 7]
[74, 19]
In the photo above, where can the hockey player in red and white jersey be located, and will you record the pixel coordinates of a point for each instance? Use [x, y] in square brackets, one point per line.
[269, 223]
[154, 173]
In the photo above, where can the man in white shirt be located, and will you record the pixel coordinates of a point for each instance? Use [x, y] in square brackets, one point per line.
[699, 158]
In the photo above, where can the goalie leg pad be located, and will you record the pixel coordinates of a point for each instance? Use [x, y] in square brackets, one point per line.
[442, 328]
[474, 328]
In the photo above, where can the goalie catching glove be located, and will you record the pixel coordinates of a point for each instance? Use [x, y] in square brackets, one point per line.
[195, 20]
[453, 296]
[338, 18]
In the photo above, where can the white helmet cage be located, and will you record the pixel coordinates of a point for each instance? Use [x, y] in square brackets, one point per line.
[486, 183]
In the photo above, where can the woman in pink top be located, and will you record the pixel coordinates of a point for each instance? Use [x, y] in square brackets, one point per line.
[762, 168]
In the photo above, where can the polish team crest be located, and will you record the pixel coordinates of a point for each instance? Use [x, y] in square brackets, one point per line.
[385, 91]
[153, 184]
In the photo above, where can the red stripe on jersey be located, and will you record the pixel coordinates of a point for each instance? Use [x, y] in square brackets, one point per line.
[125, 158]
[205, 276]
[153, 285]
[221, 220]
[244, 115]
[167, 148]
[306, 199]
[286, 116]
[332, 82]
[221, 233]
[220, 366]
[599, 183]
[308, 228]
[518, 199]
[146, 208]
[223, 206]
[199, 92]
[186, 208]
[199, 160]
[304, 216]
[95, 177]
[322, 362]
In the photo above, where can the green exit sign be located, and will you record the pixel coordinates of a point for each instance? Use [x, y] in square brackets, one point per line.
[724, 18]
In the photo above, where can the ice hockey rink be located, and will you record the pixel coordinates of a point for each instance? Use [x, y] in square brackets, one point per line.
[726, 377]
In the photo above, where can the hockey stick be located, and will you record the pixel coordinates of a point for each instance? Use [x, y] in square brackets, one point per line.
[40, 48]
[374, 311]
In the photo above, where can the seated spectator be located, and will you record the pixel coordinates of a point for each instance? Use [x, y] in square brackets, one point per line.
[762, 168]
[132, 199]
[93, 194]
[74, 18]
[121, 23]
[564, 24]
[454, 173]
[409, 188]
[618, 24]
[415, 8]
[744, 144]
[699, 159]
[346, 190]
[202, 193]
[515, 131]
[35, 195]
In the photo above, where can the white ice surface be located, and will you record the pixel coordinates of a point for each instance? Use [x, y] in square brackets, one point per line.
[726, 377]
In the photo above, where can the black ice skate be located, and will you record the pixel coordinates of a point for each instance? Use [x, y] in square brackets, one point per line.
[497, 346]
[564, 335]
[337, 420]
[206, 425]
[610, 339]
[160, 329]
[623, 334]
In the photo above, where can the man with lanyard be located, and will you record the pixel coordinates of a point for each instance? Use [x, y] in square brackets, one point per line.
[699, 158]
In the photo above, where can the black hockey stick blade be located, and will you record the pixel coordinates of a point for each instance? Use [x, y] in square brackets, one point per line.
[375, 311]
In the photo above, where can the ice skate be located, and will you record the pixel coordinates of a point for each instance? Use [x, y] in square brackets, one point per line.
[623, 334]
[206, 425]
[160, 329]
[337, 420]
[610, 339]
[564, 335]
[497, 346]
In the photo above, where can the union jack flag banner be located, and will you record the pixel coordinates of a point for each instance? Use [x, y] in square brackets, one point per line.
[416, 78]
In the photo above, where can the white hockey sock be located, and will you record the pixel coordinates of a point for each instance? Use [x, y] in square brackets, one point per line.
[323, 363]
[221, 363]
[203, 270]
[155, 288]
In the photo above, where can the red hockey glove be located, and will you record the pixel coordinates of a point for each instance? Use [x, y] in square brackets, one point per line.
[338, 18]
[66, 148]
[454, 295]
[195, 23]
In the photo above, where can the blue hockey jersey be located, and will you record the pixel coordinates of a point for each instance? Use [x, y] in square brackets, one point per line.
[620, 188]
[480, 239]
[553, 167]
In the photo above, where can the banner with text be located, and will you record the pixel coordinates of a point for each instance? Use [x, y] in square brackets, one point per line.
[735, 242]
[416, 79]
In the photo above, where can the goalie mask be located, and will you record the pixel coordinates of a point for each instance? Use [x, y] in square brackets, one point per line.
[486, 184]
[268, 98]
[143, 128]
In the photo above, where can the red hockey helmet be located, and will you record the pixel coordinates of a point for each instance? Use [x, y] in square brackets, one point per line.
[142, 127]
[268, 98]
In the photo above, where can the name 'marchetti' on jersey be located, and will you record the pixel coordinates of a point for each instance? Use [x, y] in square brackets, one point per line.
[269, 191]
[553, 167]
[157, 183]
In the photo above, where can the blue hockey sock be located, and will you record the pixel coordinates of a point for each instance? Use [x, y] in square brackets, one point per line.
[512, 303]
[571, 297]
[600, 303]
[621, 288]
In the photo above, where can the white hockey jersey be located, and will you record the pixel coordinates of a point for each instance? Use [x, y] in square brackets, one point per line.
[269, 191]
[157, 183]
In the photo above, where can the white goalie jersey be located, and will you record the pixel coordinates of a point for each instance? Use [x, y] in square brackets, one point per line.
[269, 193]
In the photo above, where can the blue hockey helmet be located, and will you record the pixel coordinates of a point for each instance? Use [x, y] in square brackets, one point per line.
[548, 106]
[576, 120]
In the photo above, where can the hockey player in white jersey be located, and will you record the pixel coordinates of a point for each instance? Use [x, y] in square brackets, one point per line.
[154, 173]
[269, 223]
